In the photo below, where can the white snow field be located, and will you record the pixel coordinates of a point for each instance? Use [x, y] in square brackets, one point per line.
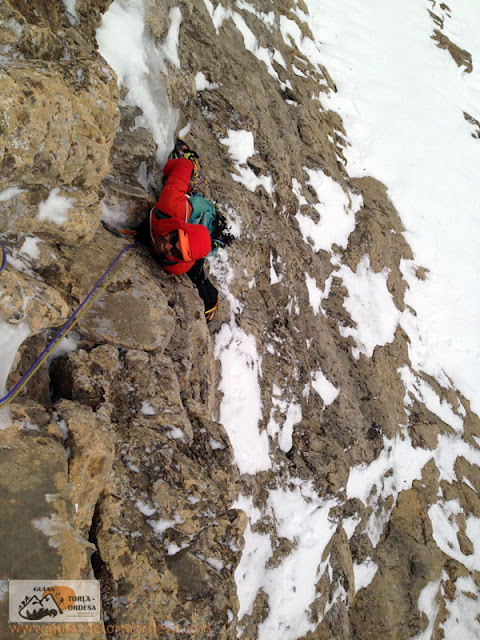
[402, 101]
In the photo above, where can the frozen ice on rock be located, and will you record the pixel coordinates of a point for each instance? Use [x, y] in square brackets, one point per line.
[139, 60]
[11, 337]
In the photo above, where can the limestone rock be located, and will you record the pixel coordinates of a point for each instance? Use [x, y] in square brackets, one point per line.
[59, 121]
[39, 540]
[27, 300]
[91, 452]
[73, 129]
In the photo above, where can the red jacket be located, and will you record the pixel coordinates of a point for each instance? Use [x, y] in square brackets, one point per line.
[173, 201]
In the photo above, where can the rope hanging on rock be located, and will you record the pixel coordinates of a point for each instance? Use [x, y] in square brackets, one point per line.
[100, 286]
[4, 257]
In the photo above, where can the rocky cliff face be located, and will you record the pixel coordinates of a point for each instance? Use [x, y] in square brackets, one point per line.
[114, 462]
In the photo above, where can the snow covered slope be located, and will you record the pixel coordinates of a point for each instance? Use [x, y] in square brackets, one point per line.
[411, 112]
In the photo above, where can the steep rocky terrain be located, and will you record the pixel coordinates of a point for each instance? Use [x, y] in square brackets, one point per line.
[116, 464]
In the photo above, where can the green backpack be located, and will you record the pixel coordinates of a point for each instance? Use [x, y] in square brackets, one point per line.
[206, 213]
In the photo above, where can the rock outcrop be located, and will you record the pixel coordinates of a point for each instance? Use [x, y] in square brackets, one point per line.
[116, 464]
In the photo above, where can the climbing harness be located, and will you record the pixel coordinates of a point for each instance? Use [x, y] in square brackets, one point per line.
[103, 282]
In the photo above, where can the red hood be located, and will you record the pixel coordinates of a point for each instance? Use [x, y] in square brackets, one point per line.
[198, 236]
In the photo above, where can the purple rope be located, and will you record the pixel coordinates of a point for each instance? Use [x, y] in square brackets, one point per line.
[4, 257]
[67, 324]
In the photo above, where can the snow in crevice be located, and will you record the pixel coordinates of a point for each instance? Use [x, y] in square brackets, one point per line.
[241, 406]
[11, 338]
[10, 192]
[30, 247]
[428, 604]
[425, 393]
[139, 62]
[315, 294]
[284, 415]
[364, 573]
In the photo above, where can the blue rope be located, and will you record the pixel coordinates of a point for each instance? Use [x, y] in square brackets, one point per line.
[4, 257]
[66, 327]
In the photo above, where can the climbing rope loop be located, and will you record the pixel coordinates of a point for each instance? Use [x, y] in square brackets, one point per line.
[100, 286]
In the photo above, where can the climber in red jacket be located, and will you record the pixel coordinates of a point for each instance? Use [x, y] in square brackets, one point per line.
[177, 243]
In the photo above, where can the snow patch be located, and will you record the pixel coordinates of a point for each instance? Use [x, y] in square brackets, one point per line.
[426, 166]
[335, 207]
[303, 518]
[147, 409]
[55, 208]
[202, 84]
[11, 337]
[404, 464]
[425, 393]
[463, 611]
[65, 345]
[71, 11]
[53, 527]
[144, 508]
[115, 216]
[241, 147]
[250, 572]
[241, 406]
[443, 516]
[315, 295]
[9, 193]
[325, 389]
[364, 573]
[370, 306]
[289, 412]
[30, 248]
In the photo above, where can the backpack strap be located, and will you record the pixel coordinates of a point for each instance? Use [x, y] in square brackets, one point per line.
[159, 215]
